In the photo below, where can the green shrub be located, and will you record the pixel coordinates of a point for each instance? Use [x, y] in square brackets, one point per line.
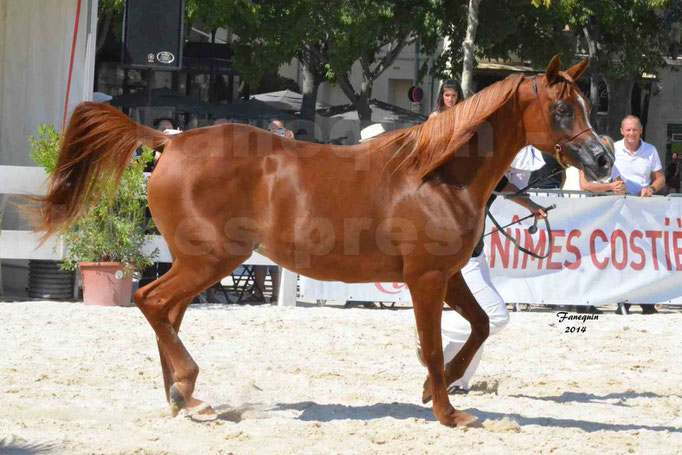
[113, 230]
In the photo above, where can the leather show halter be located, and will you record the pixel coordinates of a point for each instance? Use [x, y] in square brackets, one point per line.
[559, 146]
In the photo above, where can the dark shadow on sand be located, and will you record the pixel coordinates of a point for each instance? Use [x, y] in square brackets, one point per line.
[12, 448]
[312, 411]
[585, 425]
[576, 397]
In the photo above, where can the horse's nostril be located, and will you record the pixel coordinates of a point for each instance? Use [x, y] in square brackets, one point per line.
[602, 160]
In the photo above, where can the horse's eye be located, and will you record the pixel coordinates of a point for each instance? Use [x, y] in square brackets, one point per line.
[563, 109]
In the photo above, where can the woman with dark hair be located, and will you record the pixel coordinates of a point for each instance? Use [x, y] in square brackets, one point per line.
[450, 94]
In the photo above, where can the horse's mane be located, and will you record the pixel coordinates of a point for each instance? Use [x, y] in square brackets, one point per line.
[425, 147]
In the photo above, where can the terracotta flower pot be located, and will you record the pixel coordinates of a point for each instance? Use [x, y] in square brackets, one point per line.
[105, 284]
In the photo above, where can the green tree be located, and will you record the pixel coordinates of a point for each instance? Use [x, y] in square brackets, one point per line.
[109, 13]
[268, 34]
[328, 39]
[258, 45]
[506, 29]
[624, 39]
[373, 33]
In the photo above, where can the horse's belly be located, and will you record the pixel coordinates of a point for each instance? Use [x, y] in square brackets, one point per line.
[360, 268]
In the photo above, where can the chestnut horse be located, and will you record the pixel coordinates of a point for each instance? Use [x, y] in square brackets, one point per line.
[407, 206]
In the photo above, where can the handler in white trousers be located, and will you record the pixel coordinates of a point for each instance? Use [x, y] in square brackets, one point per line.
[455, 329]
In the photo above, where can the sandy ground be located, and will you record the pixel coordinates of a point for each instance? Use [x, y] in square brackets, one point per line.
[86, 380]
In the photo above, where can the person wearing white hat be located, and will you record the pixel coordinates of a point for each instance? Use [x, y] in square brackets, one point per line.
[371, 131]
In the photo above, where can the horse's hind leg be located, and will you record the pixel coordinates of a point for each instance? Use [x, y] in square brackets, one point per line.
[459, 295]
[175, 316]
[163, 303]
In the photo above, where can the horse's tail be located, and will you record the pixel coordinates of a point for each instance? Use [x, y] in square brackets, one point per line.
[98, 145]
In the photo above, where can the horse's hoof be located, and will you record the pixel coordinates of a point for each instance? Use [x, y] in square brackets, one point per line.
[462, 419]
[426, 393]
[177, 401]
[450, 417]
[199, 410]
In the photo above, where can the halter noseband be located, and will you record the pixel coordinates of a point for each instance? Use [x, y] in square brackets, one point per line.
[559, 146]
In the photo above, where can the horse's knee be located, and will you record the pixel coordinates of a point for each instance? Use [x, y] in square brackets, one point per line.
[139, 297]
[480, 326]
[152, 308]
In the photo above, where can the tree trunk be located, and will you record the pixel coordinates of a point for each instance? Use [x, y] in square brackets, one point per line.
[359, 100]
[594, 98]
[620, 102]
[468, 46]
[591, 36]
[310, 86]
[363, 107]
[103, 31]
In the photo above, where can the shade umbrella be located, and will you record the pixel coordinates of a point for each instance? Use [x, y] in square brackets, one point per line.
[243, 110]
[160, 97]
[285, 100]
[381, 113]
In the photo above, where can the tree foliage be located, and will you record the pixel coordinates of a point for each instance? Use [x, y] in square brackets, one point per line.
[630, 34]
[260, 44]
[507, 29]
[113, 229]
[624, 39]
[373, 33]
[327, 37]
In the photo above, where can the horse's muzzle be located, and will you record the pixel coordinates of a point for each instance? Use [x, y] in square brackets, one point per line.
[599, 163]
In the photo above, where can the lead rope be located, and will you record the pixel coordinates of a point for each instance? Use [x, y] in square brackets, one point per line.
[531, 230]
[522, 193]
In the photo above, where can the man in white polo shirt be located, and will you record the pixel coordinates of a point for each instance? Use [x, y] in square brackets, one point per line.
[637, 162]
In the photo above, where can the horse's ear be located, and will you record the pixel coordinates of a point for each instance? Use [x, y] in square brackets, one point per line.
[552, 71]
[578, 69]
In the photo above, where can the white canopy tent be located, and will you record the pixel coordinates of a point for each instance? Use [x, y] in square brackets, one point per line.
[41, 43]
[36, 48]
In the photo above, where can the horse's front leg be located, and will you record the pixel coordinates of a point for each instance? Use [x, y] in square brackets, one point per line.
[459, 297]
[428, 291]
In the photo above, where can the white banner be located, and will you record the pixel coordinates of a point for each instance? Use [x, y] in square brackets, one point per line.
[606, 249]
[370, 292]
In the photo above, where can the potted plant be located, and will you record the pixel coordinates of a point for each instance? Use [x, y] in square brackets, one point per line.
[107, 242]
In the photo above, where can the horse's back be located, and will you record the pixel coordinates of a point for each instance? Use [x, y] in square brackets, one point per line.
[224, 176]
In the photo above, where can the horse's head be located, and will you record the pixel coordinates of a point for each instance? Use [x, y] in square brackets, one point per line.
[557, 121]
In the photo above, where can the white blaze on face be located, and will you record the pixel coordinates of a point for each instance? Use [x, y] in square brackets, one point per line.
[587, 117]
[606, 179]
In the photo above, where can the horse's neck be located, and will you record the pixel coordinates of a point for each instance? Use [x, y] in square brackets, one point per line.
[507, 140]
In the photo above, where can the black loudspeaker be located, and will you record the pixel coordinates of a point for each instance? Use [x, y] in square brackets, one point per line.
[152, 34]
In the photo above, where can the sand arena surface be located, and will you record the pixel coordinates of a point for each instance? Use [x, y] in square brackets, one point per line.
[87, 380]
